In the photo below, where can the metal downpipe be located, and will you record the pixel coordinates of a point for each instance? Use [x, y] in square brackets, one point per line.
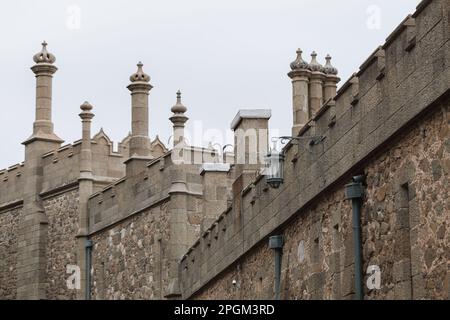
[355, 191]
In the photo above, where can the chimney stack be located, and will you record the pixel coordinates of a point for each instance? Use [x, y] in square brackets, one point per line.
[44, 70]
[331, 80]
[300, 76]
[251, 138]
[312, 85]
[140, 88]
[85, 189]
[316, 85]
[178, 119]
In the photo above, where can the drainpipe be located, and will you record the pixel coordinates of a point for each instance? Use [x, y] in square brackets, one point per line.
[89, 244]
[276, 243]
[355, 191]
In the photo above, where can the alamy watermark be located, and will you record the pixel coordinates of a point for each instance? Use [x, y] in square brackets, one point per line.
[73, 20]
[374, 279]
[373, 21]
[73, 282]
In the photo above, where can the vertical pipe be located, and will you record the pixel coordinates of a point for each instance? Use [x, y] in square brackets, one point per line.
[276, 243]
[89, 244]
[277, 273]
[355, 191]
[357, 243]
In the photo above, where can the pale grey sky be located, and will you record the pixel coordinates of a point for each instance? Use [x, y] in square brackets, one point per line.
[223, 55]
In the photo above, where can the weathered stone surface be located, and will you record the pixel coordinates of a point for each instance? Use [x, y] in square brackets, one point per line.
[128, 260]
[162, 229]
[62, 214]
[9, 221]
[382, 244]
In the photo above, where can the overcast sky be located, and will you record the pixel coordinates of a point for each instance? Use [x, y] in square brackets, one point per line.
[223, 55]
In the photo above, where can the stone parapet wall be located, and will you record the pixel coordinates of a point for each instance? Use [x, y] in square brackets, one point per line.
[9, 223]
[129, 259]
[318, 257]
[63, 225]
[396, 85]
[134, 193]
[61, 167]
[11, 184]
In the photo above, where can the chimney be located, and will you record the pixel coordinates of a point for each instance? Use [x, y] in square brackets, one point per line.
[85, 181]
[140, 88]
[178, 119]
[300, 76]
[32, 230]
[250, 147]
[86, 116]
[44, 70]
[316, 85]
[331, 80]
[250, 139]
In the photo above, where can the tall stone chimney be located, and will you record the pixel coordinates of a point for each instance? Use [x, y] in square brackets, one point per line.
[251, 134]
[251, 139]
[44, 70]
[300, 76]
[32, 230]
[140, 88]
[316, 85]
[312, 85]
[178, 119]
[331, 80]
[85, 181]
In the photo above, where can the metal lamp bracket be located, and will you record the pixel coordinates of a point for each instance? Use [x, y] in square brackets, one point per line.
[313, 140]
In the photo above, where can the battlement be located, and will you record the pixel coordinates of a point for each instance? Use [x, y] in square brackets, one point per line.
[11, 186]
[61, 167]
[133, 194]
[400, 81]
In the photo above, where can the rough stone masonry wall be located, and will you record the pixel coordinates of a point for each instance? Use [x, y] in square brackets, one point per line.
[318, 252]
[128, 259]
[62, 214]
[9, 221]
[407, 213]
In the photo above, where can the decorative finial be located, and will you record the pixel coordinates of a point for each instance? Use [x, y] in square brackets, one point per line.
[179, 107]
[86, 113]
[140, 75]
[328, 68]
[314, 65]
[299, 63]
[86, 106]
[44, 56]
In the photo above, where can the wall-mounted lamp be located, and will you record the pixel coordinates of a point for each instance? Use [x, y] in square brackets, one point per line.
[275, 159]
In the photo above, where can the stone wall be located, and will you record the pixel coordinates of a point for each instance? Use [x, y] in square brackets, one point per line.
[129, 258]
[405, 79]
[407, 213]
[62, 214]
[9, 221]
[11, 184]
[318, 260]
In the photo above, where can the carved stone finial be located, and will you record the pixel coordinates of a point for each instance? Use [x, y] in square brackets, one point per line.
[44, 56]
[299, 63]
[314, 65]
[328, 68]
[86, 113]
[179, 107]
[86, 106]
[140, 75]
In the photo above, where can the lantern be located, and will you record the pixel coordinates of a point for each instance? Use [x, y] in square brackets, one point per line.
[274, 168]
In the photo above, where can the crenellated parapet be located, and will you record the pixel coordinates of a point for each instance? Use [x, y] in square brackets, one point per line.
[402, 80]
[11, 186]
[132, 194]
